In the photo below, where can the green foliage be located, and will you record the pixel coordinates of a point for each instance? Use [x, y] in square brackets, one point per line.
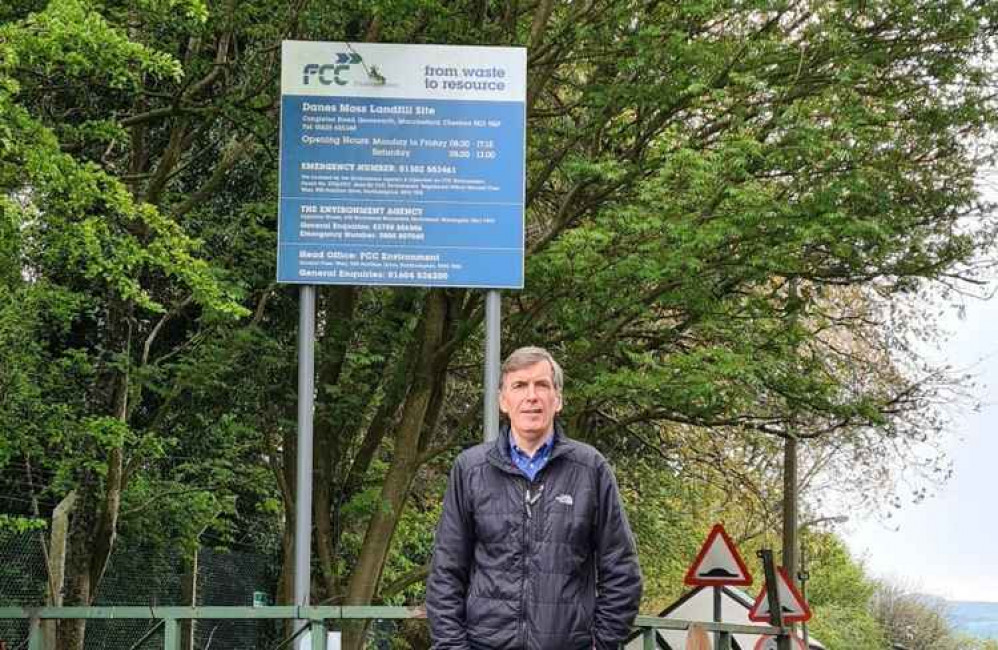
[723, 200]
[967, 643]
[9, 524]
[846, 628]
[72, 42]
[91, 274]
[76, 220]
[835, 576]
[414, 549]
[840, 594]
[174, 514]
[913, 620]
[666, 526]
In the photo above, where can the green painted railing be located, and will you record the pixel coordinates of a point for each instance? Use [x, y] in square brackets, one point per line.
[315, 617]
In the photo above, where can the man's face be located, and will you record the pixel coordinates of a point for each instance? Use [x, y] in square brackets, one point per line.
[530, 399]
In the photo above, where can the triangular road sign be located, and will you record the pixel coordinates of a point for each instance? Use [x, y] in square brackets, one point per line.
[795, 608]
[718, 562]
[766, 642]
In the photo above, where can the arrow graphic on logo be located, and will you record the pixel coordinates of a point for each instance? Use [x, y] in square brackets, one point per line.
[347, 57]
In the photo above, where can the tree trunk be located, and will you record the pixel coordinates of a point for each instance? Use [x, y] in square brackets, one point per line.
[328, 529]
[78, 589]
[288, 481]
[107, 521]
[790, 506]
[92, 534]
[94, 526]
[189, 597]
[339, 311]
[57, 563]
[405, 464]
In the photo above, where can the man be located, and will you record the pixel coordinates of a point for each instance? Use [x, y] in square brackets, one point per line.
[533, 550]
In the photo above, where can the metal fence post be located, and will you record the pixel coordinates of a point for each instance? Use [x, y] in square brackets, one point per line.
[171, 634]
[318, 631]
[35, 634]
[648, 634]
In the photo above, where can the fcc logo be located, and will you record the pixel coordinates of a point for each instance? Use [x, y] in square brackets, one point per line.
[330, 73]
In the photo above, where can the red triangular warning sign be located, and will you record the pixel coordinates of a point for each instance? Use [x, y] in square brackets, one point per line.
[718, 562]
[795, 608]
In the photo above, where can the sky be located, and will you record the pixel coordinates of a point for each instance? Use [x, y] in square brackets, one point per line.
[947, 545]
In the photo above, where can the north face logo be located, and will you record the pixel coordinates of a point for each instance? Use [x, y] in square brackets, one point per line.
[564, 499]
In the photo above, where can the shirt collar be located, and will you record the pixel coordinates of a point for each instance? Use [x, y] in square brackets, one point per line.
[542, 452]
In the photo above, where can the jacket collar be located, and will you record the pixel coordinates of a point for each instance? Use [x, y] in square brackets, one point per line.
[499, 453]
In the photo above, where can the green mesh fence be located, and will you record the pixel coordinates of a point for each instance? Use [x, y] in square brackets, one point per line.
[138, 576]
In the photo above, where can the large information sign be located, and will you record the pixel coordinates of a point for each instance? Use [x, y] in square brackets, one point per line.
[401, 165]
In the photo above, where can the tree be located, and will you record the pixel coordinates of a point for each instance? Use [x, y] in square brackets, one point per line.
[916, 621]
[979, 644]
[687, 164]
[840, 595]
[95, 284]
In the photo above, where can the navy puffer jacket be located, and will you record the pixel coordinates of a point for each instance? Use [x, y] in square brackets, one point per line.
[548, 564]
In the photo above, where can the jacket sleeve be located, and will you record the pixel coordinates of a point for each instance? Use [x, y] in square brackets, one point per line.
[618, 577]
[447, 585]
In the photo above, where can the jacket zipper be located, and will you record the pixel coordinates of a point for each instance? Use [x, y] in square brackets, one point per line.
[525, 573]
[530, 499]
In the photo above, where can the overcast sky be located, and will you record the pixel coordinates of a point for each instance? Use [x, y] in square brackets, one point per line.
[948, 545]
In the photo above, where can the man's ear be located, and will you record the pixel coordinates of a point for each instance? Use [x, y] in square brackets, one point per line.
[503, 408]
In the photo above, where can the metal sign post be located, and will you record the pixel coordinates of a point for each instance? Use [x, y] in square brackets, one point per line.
[773, 594]
[493, 314]
[306, 409]
[721, 640]
[803, 576]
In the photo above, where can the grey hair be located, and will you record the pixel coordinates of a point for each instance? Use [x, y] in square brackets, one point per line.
[527, 356]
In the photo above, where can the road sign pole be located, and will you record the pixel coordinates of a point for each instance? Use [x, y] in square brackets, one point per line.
[773, 594]
[493, 335]
[719, 637]
[803, 576]
[306, 404]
